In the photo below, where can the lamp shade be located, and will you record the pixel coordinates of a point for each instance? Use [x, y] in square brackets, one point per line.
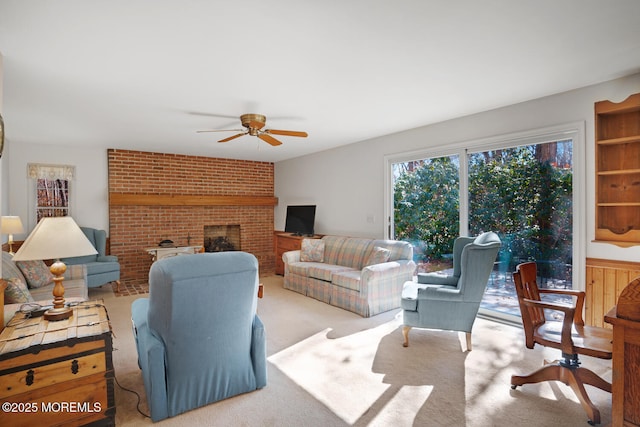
[54, 238]
[11, 225]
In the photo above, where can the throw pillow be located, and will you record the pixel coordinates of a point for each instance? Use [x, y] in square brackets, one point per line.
[9, 268]
[36, 273]
[312, 250]
[378, 256]
[16, 292]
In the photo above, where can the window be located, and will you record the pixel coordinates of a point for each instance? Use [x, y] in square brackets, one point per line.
[521, 187]
[52, 189]
[52, 198]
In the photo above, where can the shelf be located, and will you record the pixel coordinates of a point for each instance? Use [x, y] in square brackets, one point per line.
[628, 239]
[613, 242]
[617, 141]
[609, 204]
[619, 172]
[126, 199]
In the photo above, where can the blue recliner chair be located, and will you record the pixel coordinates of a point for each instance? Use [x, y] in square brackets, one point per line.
[451, 302]
[198, 336]
[101, 268]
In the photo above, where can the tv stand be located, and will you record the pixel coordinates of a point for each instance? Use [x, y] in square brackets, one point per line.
[298, 234]
[284, 242]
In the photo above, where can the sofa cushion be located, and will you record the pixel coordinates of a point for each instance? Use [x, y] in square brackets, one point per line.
[312, 250]
[36, 273]
[349, 279]
[74, 288]
[398, 249]
[300, 268]
[354, 252]
[377, 256]
[326, 271]
[332, 246]
[16, 292]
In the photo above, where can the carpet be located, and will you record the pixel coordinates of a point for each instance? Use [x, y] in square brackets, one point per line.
[330, 367]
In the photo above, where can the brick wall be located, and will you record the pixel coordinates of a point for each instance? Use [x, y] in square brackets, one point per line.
[133, 228]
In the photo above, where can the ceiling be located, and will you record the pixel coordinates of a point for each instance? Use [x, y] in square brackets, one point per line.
[147, 74]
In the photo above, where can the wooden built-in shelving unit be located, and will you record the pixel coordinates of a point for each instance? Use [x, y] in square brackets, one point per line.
[618, 171]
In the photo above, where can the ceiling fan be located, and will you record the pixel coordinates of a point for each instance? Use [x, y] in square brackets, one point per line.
[253, 124]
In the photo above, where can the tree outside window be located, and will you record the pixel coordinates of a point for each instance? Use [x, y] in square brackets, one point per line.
[52, 185]
[52, 198]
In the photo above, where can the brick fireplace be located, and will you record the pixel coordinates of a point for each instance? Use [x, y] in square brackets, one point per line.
[155, 197]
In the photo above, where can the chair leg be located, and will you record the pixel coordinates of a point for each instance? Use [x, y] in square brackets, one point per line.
[405, 334]
[591, 378]
[575, 378]
[118, 286]
[468, 335]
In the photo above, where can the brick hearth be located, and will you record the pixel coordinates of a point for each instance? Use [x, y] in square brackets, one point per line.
[155, 196]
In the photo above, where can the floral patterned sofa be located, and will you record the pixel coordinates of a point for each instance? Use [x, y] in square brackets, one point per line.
[361, 275]
[32, 282]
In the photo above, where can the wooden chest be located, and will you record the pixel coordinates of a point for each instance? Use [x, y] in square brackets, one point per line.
[57, 373]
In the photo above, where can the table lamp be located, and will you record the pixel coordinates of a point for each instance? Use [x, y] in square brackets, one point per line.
[55, 238]
[11, 225]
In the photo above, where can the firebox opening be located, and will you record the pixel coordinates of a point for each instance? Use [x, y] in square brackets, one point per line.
[221, 238]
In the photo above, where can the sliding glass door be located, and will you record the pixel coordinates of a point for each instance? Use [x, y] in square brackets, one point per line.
[525, 195]
[426, 208]
[522, 191]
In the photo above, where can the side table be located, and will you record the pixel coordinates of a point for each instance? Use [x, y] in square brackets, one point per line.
[57, 373]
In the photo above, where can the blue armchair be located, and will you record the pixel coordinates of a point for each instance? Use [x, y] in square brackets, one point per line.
[451, 302]
[101, 268]
[198, 336]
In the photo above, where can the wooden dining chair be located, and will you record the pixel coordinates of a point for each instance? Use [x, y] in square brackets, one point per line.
[570, 336]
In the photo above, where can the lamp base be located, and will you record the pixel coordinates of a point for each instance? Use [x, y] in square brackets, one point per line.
[55, 314]
[59, 311]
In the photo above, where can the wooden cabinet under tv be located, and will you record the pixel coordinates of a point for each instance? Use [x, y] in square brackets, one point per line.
[617, 127]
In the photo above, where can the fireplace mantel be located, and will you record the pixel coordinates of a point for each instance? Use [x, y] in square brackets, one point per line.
[132, 199]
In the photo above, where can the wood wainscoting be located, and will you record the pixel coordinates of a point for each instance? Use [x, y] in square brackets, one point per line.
[605, 281]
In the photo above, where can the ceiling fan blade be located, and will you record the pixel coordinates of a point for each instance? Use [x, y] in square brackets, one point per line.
[286, 132]
[233, 137]
[269, 139]
[220, 130]
[204, 114]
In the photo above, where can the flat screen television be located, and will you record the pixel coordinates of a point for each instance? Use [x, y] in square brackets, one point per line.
[300, 220]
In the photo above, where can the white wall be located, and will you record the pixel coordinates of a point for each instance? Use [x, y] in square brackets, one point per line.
[89, 189]
[347, 183]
